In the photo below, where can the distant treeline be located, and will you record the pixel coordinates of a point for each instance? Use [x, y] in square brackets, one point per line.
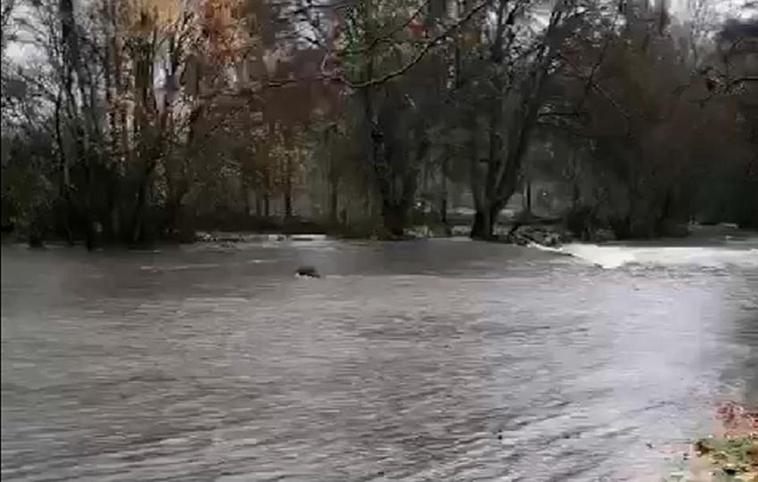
[128, 121]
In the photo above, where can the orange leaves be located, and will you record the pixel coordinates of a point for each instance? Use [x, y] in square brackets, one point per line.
[224, 34]
[737, 419]
[416, 29]
[208, 22]
[145, 17]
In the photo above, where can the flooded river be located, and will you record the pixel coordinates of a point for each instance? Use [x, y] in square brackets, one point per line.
[440, 360]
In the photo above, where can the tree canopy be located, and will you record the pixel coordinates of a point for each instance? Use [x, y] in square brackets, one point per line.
[137, 119]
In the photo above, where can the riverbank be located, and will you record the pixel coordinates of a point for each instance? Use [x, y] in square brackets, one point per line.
[549, 232]
[728, 454]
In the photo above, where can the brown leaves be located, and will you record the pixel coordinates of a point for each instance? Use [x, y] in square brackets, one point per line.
[737, 419]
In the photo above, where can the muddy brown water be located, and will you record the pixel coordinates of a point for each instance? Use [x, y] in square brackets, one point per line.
[443, 360]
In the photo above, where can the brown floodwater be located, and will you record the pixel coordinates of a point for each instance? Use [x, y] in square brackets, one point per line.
[439, 360]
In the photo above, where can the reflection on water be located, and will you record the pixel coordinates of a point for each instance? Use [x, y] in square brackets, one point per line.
[435, 360]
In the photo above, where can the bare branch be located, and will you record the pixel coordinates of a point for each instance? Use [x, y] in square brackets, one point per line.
[435, 42]
[598, 88]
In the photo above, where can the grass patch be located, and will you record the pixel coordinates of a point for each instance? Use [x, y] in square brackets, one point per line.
[731, 458]
[729, 455]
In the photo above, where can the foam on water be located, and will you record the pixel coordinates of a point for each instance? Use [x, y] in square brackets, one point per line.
[610, 257]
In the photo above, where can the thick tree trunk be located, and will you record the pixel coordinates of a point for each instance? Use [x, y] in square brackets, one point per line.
[482, 226]
[394, 219]
[492, 193]
[485, 219]
[138, 219]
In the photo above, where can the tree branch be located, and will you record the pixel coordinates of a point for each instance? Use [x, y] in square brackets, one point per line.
[598, 88]
[421, 54]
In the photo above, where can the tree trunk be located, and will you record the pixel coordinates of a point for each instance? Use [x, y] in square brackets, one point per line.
[394, 218]
[484, 222]
[287, 203]
[394, 205]
[90, 216]
[443, 194]
[89, 233]
[266, 192]
[665, 214]
[111, 227]
[528, 196]
[65, 185]
[288, 188]
[138, 220]
[176, 224]
[115, 222]
[333, 202]
[481, 228]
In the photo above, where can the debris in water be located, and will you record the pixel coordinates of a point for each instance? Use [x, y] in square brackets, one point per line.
[307, 272]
